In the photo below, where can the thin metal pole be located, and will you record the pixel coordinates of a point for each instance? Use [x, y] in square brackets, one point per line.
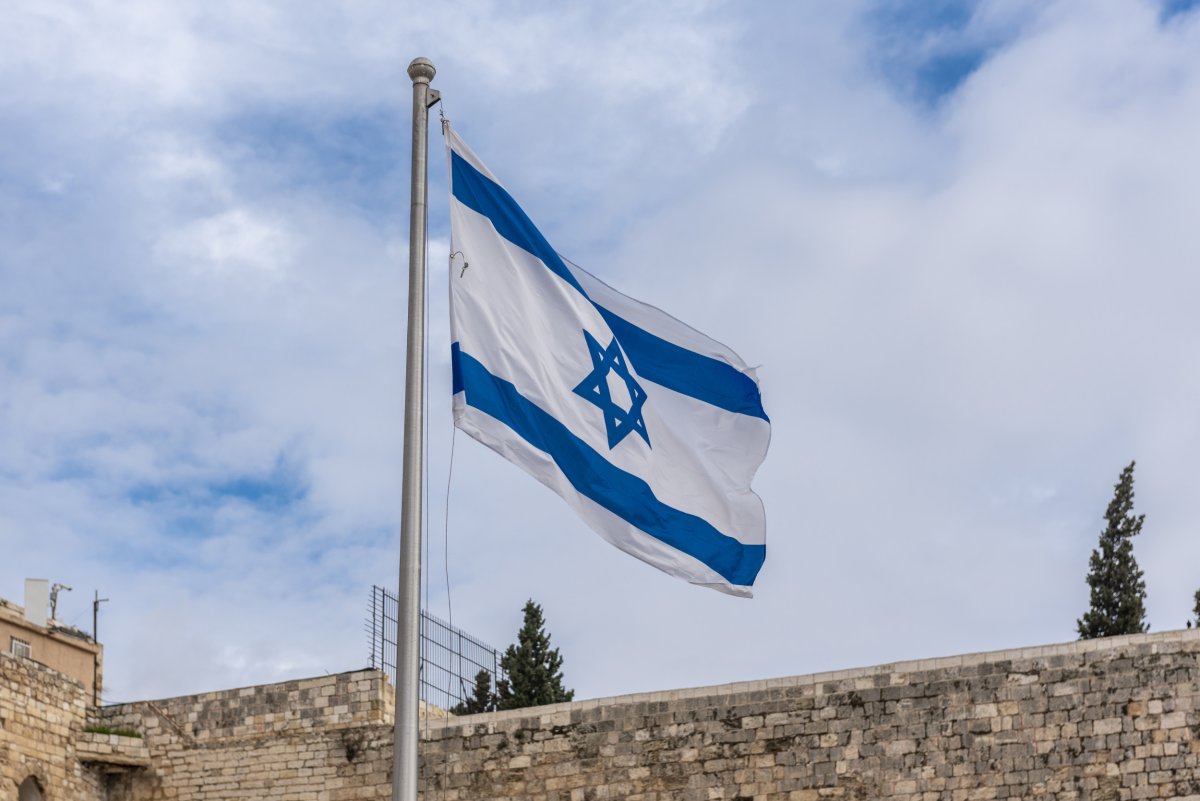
[404, 757]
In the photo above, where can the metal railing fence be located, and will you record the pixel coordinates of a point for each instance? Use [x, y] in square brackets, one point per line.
[450, 658]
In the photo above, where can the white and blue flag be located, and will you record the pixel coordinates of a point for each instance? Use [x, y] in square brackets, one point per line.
[650, 430]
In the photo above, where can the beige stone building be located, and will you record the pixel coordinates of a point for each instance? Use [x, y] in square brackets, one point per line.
[26, 634]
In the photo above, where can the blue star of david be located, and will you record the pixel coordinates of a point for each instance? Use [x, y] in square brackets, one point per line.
[618, 422]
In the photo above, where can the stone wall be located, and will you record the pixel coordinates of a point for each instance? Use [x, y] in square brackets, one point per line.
[320, 739]
[1106, 719]
[42, 714]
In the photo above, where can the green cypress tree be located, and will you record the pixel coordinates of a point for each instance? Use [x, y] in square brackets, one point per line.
[534, 668]
[481, 700]
[1118, 603]
[1196, 608]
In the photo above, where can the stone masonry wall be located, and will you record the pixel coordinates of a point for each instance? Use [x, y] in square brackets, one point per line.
[1108, 719]
[1117, 718]
[320, 739]
[42, 714]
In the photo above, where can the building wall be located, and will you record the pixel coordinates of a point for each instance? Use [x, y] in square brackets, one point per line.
[320, 739]
[1105, 719]
[62, 652]
[42, 714]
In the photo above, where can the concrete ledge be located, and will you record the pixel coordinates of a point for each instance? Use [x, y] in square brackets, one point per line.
[113, 752]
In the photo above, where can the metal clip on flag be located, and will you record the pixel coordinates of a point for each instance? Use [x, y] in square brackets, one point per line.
[650, 430]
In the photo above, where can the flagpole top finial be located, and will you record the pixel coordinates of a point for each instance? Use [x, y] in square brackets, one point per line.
[421, 70]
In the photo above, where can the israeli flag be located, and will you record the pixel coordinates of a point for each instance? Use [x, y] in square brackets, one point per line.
[650, 430]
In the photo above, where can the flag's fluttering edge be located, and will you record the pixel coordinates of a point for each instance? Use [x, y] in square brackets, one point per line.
[650, 430]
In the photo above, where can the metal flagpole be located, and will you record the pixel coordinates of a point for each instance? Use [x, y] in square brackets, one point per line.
[408, 634]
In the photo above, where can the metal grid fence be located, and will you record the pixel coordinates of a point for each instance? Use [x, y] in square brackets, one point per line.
[450, 658]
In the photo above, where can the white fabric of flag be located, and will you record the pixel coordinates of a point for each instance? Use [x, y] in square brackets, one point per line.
[650, 430]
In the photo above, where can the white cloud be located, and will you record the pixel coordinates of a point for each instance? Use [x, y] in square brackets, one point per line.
[232, 244]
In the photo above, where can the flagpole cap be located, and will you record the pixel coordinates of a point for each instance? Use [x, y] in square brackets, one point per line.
[421, 70]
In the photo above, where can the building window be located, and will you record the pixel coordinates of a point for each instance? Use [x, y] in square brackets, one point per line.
[21, 648]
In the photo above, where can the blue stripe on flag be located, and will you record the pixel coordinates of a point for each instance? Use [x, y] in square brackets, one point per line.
[476, 191]
[686, 371]
[625, 495]
[655, 359]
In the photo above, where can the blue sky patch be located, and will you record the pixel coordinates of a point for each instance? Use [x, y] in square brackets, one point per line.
[925, 50]
[279, 489]
[1173, 8]
[360, 156]
[282, 487]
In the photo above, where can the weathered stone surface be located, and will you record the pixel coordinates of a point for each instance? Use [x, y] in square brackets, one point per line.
[321, 739]
[1107, 719]
[111, 753]
[42, 714]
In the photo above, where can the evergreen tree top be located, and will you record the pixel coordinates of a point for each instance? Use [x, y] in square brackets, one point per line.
[1118, 590]
[482, 699]
[534, 668]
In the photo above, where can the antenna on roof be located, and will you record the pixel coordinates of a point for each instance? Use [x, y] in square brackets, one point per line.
[54, 599]
[96, 657]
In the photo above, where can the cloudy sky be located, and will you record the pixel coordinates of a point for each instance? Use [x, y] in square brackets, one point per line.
[959, 238]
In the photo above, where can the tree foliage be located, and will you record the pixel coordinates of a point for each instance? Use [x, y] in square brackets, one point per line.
[482, 698]
[534, 668]
[1118, 598]
[1196, 608]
